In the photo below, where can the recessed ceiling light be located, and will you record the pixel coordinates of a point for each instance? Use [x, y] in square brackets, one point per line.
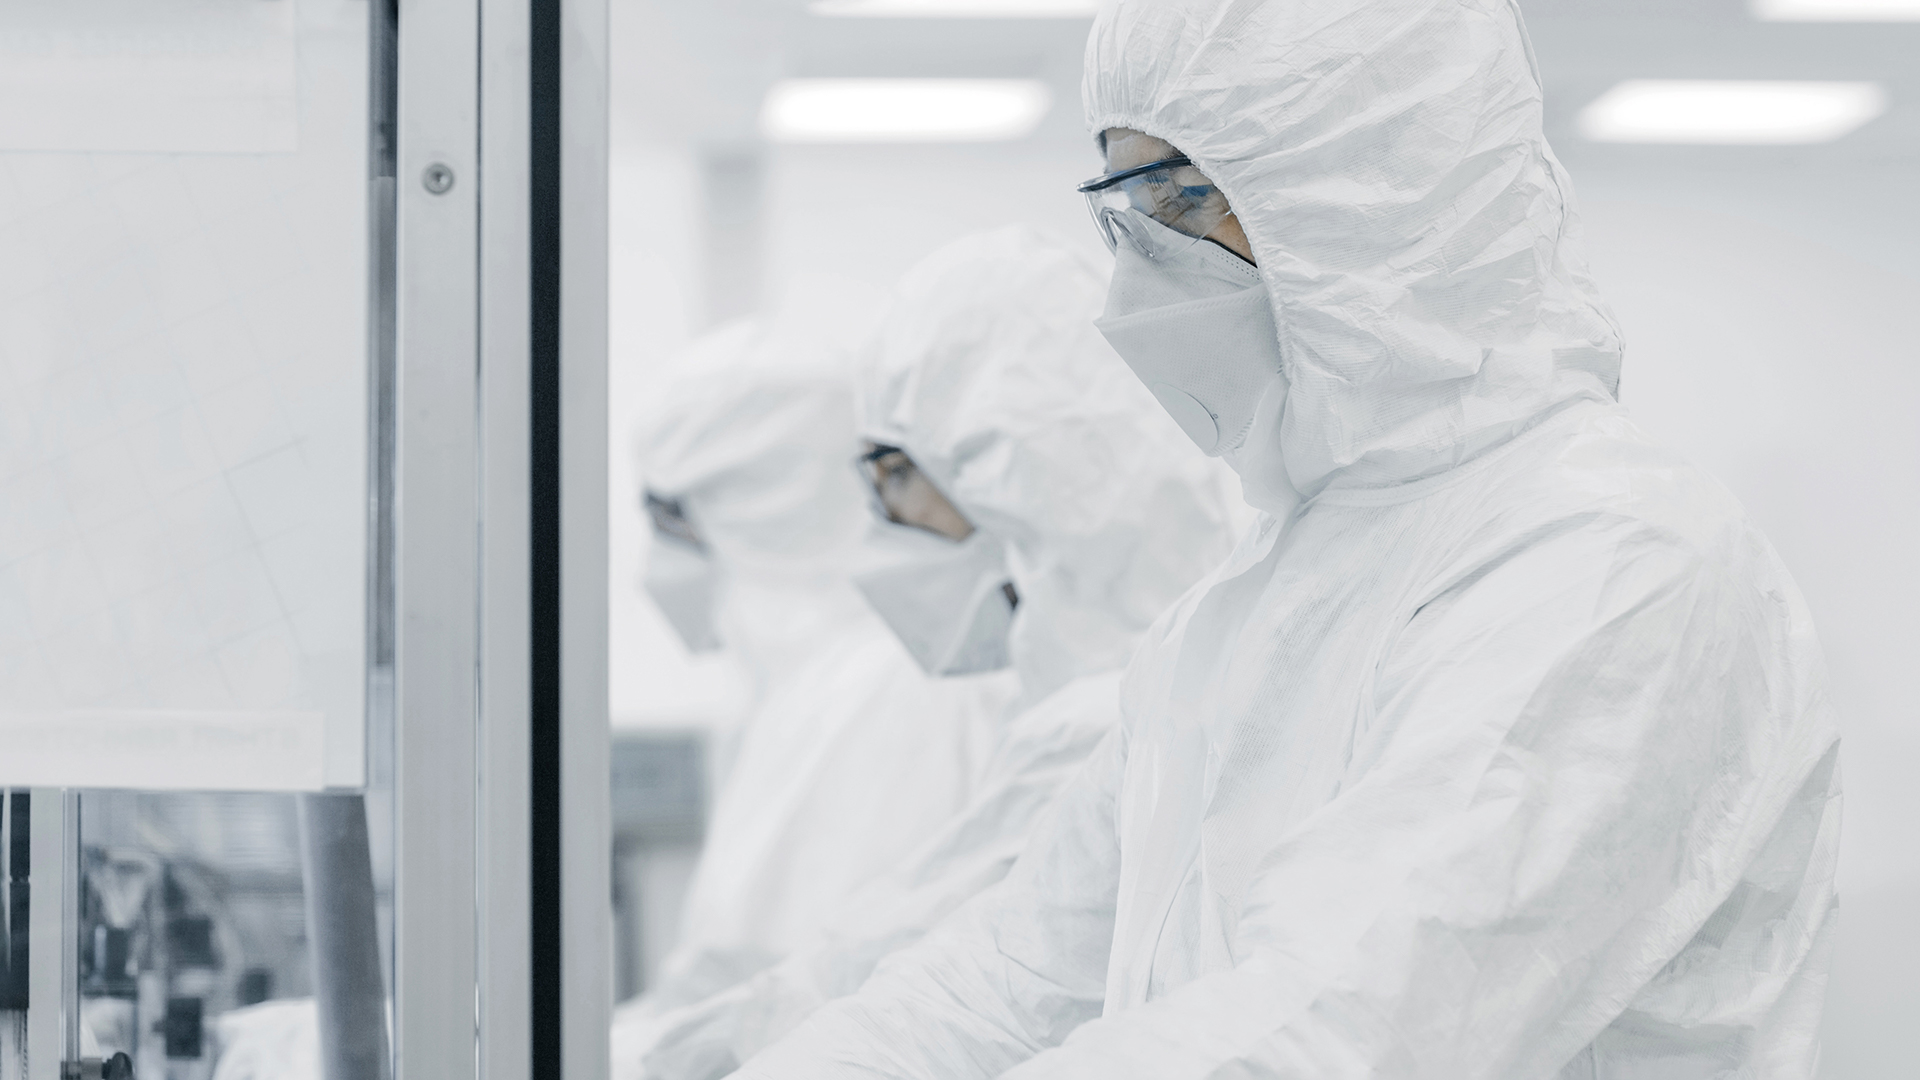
[1730, 113]
[955, 9]
[1837, 10]
[902, 110]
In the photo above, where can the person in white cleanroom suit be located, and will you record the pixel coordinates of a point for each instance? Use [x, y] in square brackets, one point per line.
[1505, 752]
[851, 756]
[1010, 414]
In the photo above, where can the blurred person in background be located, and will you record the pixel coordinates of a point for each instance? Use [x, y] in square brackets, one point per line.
[850, 756]
[1031, 502]
[1502, 747]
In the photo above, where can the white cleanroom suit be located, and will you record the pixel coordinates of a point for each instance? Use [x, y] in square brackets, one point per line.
[989, 374]
[1505, 753]
[850, 757]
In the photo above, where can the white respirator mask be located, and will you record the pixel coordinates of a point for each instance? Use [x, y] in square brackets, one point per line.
[682, 581]
[950, 602]
[1194, 322]
[681, 576]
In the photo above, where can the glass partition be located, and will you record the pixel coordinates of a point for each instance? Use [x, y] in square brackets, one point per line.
[188, 412]
[183, 392]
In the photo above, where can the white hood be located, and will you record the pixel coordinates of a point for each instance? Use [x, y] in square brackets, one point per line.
[851, 758]
[988, 372]
[754, 437]
[1417, 235]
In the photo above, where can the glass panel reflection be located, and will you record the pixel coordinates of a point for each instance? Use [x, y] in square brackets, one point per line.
[183, 392]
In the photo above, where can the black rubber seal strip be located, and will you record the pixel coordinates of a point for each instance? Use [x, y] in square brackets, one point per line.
[544, 505]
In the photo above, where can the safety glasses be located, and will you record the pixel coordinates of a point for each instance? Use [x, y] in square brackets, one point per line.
[1170, 191]
[906, 497]
[670, 520]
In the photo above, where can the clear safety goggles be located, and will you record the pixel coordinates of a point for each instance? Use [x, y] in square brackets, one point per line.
[904, 495]
[670, 520]
[1171, 192]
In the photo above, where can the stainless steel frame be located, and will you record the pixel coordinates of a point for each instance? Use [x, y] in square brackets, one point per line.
[47, 938]
[465, 500]
[437, 620]
[587, 921]
[463, 557]
[505, 1003]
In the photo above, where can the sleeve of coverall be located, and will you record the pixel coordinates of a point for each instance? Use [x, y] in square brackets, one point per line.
[1041, 752]
[1572, 756]
[1012, 972]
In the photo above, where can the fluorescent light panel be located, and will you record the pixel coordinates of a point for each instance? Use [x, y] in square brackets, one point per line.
[902, 110]
[1837, 10]
[955, 9]
[1730, 113]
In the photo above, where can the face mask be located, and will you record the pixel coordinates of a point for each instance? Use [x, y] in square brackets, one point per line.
[1259, 462]
[681, 580]
[948, 601]
[1193, 321]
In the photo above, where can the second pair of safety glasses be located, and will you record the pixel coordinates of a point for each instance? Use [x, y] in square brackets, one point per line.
[670, 520]
[1170, 191]
[904, 496]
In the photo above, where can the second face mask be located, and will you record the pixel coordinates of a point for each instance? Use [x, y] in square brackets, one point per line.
[682, 580]
[951, 603]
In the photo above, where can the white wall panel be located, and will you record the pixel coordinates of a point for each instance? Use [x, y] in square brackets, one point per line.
[1789, 369]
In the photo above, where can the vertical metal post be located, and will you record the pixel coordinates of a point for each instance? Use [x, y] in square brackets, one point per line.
[70, 926]
[383, 25]
[343, 937]
[586, 840]
[499, 573]
[376, 818]
[15, 858]
[570, 844]
[436, 569]
[506, 888]
[46, 934]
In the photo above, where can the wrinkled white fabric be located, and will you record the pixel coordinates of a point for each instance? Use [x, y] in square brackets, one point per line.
[850, 757]
[1507, 753]
[1043, 748]
[990, 375]
[752, 434]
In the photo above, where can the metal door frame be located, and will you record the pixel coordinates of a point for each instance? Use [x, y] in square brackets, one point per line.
[501, 918]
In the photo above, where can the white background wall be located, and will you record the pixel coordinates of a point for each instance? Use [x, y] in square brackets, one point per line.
[1788, 367]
